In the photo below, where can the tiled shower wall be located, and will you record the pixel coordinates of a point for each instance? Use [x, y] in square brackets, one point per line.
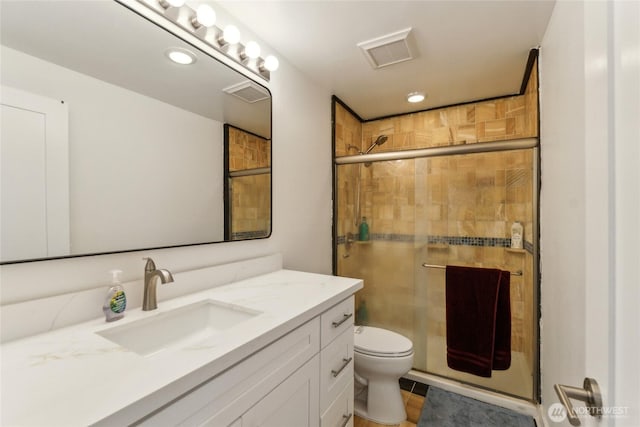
[502, 119]
[444, 210]
[247, 151]
[250, 195]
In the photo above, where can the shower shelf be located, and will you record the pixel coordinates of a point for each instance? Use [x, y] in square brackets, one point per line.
[515, 251]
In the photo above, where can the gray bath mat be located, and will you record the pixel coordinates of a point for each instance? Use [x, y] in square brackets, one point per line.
[445, 409]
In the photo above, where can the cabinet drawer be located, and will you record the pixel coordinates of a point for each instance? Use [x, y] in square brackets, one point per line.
[340, 413]
[336, 368]
[336, 320]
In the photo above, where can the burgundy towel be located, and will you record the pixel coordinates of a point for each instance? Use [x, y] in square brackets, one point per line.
[478, 319]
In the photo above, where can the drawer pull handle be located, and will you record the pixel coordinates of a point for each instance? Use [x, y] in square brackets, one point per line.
[346, 419]
[346, 362]
[344, 319]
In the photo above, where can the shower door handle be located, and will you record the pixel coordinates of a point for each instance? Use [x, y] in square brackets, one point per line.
[589, 393]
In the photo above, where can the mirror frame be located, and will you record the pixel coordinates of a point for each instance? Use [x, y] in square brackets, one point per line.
[163, 23]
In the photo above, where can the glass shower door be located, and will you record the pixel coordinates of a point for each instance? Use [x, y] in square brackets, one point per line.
[465, 206]
[438, 211]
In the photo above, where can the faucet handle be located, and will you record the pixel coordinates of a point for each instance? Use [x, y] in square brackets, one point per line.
[150, 265]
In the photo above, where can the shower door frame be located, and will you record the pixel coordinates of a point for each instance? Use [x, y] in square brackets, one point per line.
[477, 148]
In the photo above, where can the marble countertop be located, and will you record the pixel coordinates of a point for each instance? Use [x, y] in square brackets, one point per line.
[72, 376]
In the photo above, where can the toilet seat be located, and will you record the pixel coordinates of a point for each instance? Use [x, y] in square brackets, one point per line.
[381, 342]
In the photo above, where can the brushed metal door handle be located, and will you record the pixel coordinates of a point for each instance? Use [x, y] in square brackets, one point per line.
[589, 393]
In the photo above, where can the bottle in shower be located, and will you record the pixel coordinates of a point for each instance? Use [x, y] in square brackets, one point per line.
[516, 235]
[362, 315]
[364, 230]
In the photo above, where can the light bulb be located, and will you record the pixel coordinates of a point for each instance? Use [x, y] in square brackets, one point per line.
[231, 34]
[205, 15]
[252, 50]
[271, 63]
[171, 3]
[416, 97]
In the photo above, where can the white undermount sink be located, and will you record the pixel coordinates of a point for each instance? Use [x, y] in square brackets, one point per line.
[180, 326]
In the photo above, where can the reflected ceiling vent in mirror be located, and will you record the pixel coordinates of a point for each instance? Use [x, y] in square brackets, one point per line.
[387, 50]
[248, 91]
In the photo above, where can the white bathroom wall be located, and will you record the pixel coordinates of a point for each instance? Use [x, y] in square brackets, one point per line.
[107, 140]
[562, 203]
[302, 176]
[301, 206]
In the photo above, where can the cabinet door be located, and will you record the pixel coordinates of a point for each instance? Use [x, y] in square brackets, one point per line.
[294, 403]
[224, 398]
[340, 413]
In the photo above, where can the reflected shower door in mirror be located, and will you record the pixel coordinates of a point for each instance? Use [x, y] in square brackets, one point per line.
[136, 160]
[248, 184]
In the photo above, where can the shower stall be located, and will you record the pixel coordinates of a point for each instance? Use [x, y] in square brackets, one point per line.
[433, 207]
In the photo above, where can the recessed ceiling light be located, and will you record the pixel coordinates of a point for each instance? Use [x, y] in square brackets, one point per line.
[180, 56]
[416, 97]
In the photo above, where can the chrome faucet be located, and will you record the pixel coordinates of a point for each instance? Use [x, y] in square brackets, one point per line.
[151, 276]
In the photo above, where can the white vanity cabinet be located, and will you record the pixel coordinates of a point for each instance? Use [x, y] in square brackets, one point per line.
[290, 364]
[303, 379]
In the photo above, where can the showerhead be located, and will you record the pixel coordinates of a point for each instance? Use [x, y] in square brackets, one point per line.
[379, 141]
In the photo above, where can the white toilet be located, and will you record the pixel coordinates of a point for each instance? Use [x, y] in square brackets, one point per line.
[381, 358]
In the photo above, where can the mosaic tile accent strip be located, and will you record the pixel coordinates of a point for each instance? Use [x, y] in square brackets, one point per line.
[528, 246]
[500, 242]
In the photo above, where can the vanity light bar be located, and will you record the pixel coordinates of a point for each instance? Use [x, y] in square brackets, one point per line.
[201, 23]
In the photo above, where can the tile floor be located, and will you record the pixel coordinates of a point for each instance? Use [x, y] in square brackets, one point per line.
[413, 405]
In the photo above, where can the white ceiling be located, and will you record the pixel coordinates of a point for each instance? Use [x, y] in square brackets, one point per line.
[466, 50]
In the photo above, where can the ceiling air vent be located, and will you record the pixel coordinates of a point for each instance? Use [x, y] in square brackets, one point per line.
[387, 50]
[248, 91]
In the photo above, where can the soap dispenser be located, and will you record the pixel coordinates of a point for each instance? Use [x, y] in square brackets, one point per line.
[116, 300]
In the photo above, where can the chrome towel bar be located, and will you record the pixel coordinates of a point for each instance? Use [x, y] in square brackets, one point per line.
[425, 265]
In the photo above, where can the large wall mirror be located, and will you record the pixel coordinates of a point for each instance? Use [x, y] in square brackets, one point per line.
[109, 146]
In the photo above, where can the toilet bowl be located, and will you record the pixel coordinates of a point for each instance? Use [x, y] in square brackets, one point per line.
[381, 357]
